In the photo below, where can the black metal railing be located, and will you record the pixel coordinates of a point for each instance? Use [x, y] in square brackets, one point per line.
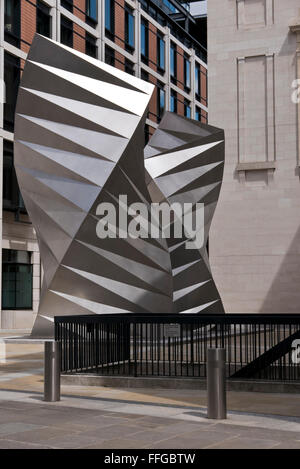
[257, 346]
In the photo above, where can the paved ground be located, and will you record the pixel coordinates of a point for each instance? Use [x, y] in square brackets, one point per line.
[95, 417]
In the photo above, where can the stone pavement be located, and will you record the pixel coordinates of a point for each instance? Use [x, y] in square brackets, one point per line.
[101, 417]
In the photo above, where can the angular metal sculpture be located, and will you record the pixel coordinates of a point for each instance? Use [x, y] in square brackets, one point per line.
[184, 161]
[79, 137]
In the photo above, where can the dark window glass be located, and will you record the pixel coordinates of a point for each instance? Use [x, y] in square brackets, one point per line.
[12, 80]
[129, 28]
[173, 102]
[66, 32]
[144, 75]
[129, 67]
[197, 82]
[12, 22]
[200, 115]
[11, 195]
[43, 19]
[170, 6]
[67, 4]
[187, 109]
[109, 18]
[16, 280]
[144, 41]
[160, 101]
[187, 73]
[91, 45]
[173, 61]
[160, 53]
[109, 56]
[91, 10]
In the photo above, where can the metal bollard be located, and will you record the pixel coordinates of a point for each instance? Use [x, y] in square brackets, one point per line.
[216, 384]
[52, 372]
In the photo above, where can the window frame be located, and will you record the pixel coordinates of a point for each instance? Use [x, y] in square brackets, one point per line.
[64, 19]
[92, 41]
[145, 28]
[173, 53]
[187, 73]
[15, 265]
[67, 4]
[160, 92]
[15, 62]
[109, 32]
[13, 37]
[161, 61]
[109, 52]
[129, 67]
[91, 20]
[42, 7]
[173, 96]
[129, 16]
[187, 106]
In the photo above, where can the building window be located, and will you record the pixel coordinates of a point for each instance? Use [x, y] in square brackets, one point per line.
[160, 100]
[129, 67]
[144, 41]
[66, 32]
[200, 115]
[12, 80]
[43, 19]
[109, 56]
[187, 73]
[144, 75]
[197, 82]
[67, 4]
[187, 109]
[109, 18]
[16, 279]
[160, 53]
[173, 101]
[173, 62]
[12, 199]
[91, 45]
[12, 22]
[91, 11]
[129, 29]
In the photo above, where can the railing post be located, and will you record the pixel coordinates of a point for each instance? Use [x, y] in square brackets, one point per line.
[52, 371]
[216, 384]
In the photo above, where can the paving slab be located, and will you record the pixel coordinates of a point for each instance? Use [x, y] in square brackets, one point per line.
[103, 417]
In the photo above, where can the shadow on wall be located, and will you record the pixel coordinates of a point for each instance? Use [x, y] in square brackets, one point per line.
[284, 294]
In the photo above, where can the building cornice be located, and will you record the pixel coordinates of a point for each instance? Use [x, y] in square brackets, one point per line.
[295, 26]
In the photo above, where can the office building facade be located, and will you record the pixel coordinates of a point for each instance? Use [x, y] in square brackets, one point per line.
[156, 40]
[254, 65]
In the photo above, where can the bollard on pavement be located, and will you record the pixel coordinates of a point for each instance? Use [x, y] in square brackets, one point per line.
[52, 371]
[216, 384]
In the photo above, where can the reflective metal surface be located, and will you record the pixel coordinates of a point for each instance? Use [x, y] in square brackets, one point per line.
[79, 139]
[216, 384]
[184, 161]
[52, 371]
